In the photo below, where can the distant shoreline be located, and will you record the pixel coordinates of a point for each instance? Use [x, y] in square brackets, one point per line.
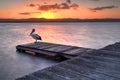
[36, 20]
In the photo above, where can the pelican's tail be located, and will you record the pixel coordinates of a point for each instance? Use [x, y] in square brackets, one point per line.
[40, 38]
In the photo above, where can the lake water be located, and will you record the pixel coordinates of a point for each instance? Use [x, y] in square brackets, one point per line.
[90, 35]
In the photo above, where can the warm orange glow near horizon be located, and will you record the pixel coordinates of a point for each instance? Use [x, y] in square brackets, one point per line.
[47, 15]
[54, 9]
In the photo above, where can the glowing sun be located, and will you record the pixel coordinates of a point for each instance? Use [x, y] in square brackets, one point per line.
[47, 15]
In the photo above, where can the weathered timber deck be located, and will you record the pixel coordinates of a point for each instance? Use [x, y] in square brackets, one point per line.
[113, 47]
[52, 49]
[102, 64]
[92, 66]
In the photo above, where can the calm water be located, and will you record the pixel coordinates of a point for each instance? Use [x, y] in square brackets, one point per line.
[14, 65]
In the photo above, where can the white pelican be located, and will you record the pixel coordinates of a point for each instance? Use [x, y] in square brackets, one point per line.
[35, 36]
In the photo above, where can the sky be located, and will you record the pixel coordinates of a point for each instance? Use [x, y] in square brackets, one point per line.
[53, 9]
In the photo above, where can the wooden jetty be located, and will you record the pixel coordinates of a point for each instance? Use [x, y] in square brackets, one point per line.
[102, 64]
[50, 49]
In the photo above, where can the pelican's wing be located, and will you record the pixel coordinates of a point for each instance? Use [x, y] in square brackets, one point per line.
[37, 36]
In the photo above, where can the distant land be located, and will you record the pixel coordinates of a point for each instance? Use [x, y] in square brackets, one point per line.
[58, 20]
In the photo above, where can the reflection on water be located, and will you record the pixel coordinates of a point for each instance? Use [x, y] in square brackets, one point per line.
[13, 64]
[91, 35]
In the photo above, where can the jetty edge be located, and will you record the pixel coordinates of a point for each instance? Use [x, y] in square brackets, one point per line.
[101, 64]
[57, 51]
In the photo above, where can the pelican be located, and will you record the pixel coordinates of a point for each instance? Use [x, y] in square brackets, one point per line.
[35, 36]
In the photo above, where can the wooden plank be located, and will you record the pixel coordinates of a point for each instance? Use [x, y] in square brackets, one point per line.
[33, 44]
[102, 64]
[104, 58]
[73, 70]
[76, 51]
[30, 77]
[86, 71]
[80, 68]
[104, 68]
[106, 53]
[113, 47]
[108, 56]
[93, 65]
[45, 52]
[38, 45]
[38, 51]
[69, 74]
[48, 48]
[44, 74]
[59, 48]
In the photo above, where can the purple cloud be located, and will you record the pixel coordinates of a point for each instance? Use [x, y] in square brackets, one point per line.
[57, 6]
[48, 7]
[103, 8]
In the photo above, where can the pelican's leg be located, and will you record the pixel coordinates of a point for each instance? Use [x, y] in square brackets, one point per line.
[35, 41]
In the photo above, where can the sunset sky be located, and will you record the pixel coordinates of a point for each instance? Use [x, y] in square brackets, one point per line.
[52, 9]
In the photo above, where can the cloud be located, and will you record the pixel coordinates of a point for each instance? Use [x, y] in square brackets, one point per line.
[64, 6]
[103, 8]
[48, 7]
[32, 5]
[68, 1]
[94, 0]
[25, 13]
[29, 13]
[74, 6]
[37, 12]
[57, 6]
